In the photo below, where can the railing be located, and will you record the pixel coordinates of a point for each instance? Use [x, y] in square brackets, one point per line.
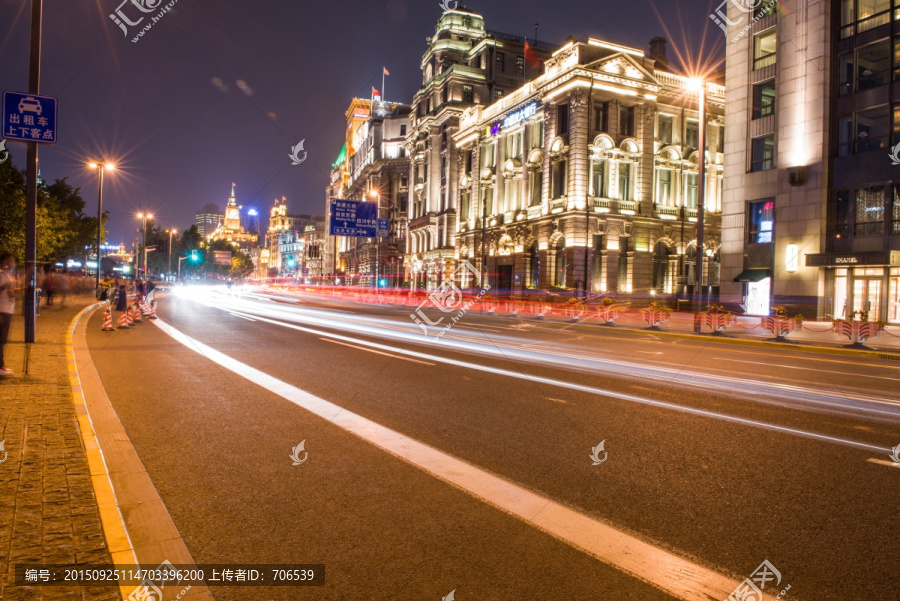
[602, 203]
[626, 205]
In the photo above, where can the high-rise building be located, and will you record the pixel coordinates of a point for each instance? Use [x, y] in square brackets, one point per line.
[230, 228]
[208, 219]
[812, 207]
[464, 65]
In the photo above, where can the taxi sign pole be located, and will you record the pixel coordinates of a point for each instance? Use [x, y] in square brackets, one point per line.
[34, 87]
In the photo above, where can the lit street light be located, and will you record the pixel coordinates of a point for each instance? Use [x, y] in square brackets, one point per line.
[101, 166]
[144, 217]
[171, 230]
[698, 85]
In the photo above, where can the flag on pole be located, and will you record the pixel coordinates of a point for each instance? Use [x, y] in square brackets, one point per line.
[375, 93]
[386, 72]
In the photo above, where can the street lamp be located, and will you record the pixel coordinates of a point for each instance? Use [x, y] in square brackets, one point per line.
[101, 166]
[698, 85]
[171, 230]
[373, 194]
[144, 217]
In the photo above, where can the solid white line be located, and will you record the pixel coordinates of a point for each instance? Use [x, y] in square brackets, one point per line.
[666, 571]
[368, 350]
[588, 389]
[241, 316]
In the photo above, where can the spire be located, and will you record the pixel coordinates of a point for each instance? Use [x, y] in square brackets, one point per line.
[232, 189]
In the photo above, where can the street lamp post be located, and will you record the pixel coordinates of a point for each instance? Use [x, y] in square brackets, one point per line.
[171, 230]
[375, 195]
[699, 85]
[101, 166]
[144, 217]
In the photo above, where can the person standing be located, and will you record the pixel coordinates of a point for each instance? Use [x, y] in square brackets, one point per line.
[7, 304]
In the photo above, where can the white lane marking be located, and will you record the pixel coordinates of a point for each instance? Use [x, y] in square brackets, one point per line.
[651, 352]
[368, 350]
[666, 571]
[816, 369]
[241, 316]
[583, 388]
[558, 400]
[883, 462]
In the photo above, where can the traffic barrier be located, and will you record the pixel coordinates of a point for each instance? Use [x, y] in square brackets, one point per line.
[107, 321]
[152, 313]
[123, 320]
[136, 314]
[142, 306]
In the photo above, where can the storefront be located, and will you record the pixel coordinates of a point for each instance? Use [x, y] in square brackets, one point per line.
[861, 282]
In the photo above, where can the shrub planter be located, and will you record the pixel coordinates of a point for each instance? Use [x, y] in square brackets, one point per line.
[655, 315]
[717, 322]
[608, 314]
[780, 326]
[858, 331]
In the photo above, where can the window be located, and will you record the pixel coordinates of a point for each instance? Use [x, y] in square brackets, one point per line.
[664, 187]
[872, 129]
[847, 19]
[514, 146]
[871, 13]
[489, 200]
[625, 182]
[845, 135]
[895, 209]
[764, 46]
[762, 221]
[873, 65]
[500, 61]
[690, 190]
[562, 120]
[868, 212]
[626, 120]
[403, 130]
[467, 162]
[692, 134]
[764, 99]
[536, 135]
[520, 65]
[488, 155]
[536, 177]
[598, 180]
[498, 94]
[601, 116]
[465, 204]
[560, 276]
[762, 153]
[896, 124]
[468, 94]
[845, 66]
[665, 129]
[404, 180]
[842, 214]
[720, 144]
[897, 54]
[559, 179]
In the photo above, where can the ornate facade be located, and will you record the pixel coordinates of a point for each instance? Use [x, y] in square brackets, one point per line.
[586, 177]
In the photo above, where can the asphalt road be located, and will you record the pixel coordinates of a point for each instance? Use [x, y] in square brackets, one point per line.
[724, 455]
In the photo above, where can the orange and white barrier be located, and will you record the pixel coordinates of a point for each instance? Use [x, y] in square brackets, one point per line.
[152, 313]
[123, 320]
[136, 314]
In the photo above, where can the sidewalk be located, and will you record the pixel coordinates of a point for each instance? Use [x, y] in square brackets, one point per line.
[48, 512]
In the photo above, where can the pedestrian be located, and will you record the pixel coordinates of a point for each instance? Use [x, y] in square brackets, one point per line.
[7, 304]
[50, 286]
[122, 299]
[63, 288]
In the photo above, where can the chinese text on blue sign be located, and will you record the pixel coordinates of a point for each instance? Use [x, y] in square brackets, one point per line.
[29, 118]
[353, 218]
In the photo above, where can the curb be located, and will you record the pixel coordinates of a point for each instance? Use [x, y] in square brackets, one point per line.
[117, 540]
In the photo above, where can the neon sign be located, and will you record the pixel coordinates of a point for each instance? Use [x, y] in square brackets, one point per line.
[514, 118]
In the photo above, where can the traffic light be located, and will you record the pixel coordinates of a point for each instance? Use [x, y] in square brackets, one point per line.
[194, 256]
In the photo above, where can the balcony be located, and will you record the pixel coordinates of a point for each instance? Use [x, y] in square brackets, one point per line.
[602, 205]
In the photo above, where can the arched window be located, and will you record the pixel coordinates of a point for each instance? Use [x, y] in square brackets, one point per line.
[661, 279]
[534, 266]
[560, 275]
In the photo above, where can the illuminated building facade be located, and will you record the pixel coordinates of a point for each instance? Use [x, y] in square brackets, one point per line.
[208, 219]
[374, 167]
[586, 177]
[812, 210]
[284, 240]
[230, 229]
[464, 65]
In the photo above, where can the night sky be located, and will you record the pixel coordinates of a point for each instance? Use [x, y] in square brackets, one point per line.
[218, 91]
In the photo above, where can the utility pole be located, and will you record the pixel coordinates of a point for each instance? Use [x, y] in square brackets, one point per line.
[701, 190]
[31, 167]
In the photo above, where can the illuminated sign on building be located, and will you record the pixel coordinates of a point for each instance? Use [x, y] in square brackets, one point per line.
[514, 118]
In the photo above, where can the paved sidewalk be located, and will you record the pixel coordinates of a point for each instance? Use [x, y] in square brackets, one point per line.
[48, 512]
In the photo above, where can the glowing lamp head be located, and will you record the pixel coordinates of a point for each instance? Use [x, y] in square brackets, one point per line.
[92, 165]
[694, 84]
[373, 194]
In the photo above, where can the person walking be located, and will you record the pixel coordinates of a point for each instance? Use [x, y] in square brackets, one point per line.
[7, 304]
[122, 299]
[50, 286]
